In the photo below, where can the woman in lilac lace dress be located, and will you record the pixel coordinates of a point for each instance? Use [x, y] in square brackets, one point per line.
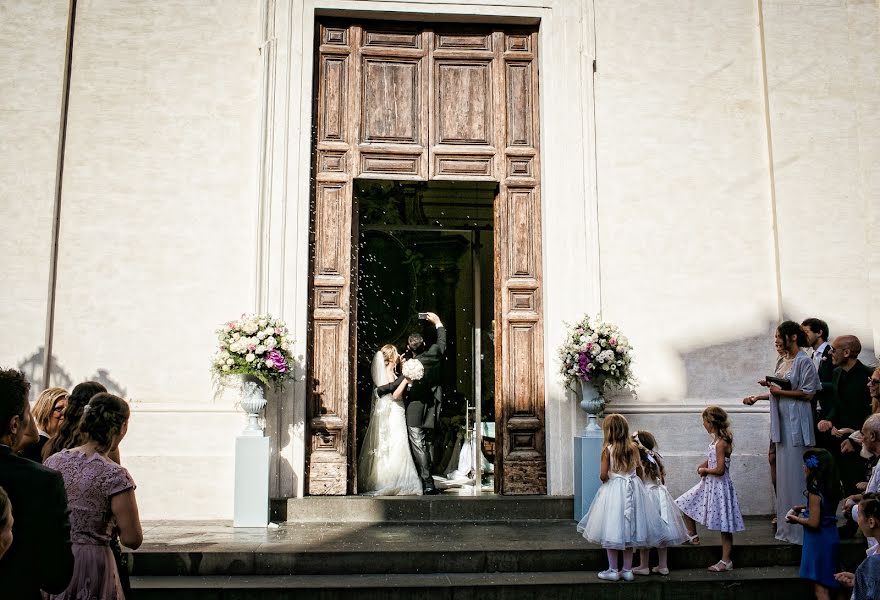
[101, 496]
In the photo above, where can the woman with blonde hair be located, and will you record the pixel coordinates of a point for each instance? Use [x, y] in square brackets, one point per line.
[385, 465]
[48, 413]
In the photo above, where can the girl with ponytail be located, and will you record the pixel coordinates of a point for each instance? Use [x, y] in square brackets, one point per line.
[101, 496]
[713, 501]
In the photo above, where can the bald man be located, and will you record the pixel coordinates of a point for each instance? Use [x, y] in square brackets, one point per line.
[851, 405]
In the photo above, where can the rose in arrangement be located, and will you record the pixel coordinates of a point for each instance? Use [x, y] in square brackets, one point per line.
[257, 345]
[598, 353]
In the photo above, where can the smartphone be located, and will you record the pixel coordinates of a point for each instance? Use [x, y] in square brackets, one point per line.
[423, 316]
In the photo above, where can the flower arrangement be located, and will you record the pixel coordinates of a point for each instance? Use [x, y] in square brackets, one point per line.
[256, 345]
[596, 352]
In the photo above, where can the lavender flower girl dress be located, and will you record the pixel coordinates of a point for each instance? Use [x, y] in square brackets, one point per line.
[713, 501]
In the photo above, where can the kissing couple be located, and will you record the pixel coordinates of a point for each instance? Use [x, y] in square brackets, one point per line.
[395, 458]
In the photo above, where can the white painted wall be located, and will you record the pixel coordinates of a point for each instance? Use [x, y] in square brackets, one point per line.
[158, 229]
[32, 38]
[689, 222]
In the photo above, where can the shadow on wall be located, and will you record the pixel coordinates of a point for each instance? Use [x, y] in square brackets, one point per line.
[730, 369]
[32, 367]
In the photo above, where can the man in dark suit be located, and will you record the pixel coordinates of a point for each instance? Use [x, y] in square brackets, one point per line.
[852, 405]
[424, 399]
[40, 556]
[817, 337]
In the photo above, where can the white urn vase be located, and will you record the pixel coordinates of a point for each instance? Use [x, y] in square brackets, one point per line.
[253, 400]
[592, 403]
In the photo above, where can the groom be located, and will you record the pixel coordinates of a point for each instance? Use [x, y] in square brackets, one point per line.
[423, 400]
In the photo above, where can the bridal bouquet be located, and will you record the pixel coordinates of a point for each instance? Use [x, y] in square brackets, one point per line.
[598, 353]
[256, 345]
[413, 369]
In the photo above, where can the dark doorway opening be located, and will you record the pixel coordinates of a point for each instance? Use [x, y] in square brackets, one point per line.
[429, 246]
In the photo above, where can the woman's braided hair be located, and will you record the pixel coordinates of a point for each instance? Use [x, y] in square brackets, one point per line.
[103, 418]
[68, 435]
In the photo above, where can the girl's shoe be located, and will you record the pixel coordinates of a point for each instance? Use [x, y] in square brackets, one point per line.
[627, 575]
[609, 575]
[660, 571]
[641, 571]
[693, 540]
[721, 567]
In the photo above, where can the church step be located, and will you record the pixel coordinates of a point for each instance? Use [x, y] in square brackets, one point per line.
[391, 554]
[441, 508]
[771, 583]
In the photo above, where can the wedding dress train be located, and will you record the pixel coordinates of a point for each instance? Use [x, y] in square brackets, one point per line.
[385, 466]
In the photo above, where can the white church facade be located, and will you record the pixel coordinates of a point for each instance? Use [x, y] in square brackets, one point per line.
[693, 172]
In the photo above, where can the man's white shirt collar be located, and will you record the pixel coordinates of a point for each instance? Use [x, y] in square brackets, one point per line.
[817, 354]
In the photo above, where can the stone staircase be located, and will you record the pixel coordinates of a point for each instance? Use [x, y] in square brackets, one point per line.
[404, 548]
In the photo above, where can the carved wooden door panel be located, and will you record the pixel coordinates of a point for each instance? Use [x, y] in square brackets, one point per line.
[519, 392]
[396, 101]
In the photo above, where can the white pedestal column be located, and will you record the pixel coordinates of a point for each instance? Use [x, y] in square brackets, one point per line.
[251, 481]
[587, 450]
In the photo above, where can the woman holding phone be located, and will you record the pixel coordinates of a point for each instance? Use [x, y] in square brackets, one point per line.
[791, 423]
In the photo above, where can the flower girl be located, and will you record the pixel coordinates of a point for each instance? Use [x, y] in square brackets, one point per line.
[618, 517]
[713, 502]
[671, 525]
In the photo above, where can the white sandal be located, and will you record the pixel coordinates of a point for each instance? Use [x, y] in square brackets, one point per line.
[721, 567]
[693, 540]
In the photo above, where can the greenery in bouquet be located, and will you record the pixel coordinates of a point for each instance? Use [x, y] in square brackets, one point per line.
[257, 345]
[598, 353]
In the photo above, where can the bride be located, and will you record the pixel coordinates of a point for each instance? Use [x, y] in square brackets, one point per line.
[385, 466]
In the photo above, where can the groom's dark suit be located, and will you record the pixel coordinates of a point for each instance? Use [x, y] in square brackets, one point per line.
[425, 396]
[423, 407]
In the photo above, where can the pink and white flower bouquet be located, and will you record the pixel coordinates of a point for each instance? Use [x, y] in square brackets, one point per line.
[598, 353]
[257, 345]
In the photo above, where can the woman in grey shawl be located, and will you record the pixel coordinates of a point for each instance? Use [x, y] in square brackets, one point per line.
[791, 423]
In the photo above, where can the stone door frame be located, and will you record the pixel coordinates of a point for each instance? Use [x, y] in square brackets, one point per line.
[568, 200]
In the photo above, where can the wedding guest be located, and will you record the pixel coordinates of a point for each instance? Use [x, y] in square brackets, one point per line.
[819, 559]
[866, 580]
[6, 522]
[67, 435]
[713, 501]
[40, 555]
[871, 446]
[851, 407]
[816, 331]
[101, 497]
[49, 414]
[791, 423]
[852, 443]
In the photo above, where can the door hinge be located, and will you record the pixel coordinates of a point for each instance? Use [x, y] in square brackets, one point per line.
[594, 65]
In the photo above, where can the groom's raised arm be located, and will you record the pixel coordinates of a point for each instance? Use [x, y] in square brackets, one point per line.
[441, 338]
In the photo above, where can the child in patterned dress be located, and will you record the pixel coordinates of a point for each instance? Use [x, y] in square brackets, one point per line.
[713, 502]
[671, 525]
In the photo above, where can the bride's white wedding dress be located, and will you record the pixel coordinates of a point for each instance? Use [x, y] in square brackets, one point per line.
[386, 467]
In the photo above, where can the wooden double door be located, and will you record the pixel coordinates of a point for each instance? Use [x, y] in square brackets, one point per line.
[426, 102]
